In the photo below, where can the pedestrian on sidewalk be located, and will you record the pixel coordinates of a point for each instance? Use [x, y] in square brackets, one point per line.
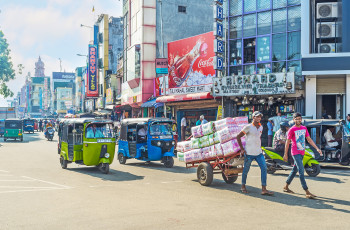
[269, 132]
[183, 128]
[253, 151]
[297, 135]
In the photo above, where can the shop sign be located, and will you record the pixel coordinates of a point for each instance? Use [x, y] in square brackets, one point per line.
[218, 63]
[91, 83]
[161, 65]
[259, 84]
[46, 99]
[63, 77]
[218, 29]
[100, 103]
[218, 46]
[191, 67]
[109, 96]
[218, 12]
[219, 115]
[159, 87]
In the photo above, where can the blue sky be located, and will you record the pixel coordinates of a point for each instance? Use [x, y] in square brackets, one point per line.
[50, 29]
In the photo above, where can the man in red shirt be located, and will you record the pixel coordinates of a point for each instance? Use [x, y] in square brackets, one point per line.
[297, 135]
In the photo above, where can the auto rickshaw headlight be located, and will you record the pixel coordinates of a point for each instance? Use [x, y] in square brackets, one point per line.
[106, 155]
[173, 142]
[159, 143]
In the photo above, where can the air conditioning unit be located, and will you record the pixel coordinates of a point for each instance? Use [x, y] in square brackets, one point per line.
[329, 48]
[327, 10]
[327, 30]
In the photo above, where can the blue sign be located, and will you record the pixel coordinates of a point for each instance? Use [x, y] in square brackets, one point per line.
[162, 70]
[218, 63]
[63, 76]
[218, 13]
[218, 29]
[218, 46]
[219, 1]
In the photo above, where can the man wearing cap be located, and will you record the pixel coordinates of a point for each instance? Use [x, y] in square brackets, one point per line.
[252, 151]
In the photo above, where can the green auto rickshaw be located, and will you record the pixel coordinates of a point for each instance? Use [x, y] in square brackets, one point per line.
[86, 141]
[13, 129]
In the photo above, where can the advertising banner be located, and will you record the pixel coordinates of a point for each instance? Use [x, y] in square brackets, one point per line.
[92, 76]
[162, 65]
[259, 84]
[63, 77]
[109, 96]
[64, 99]
[191, 64]
[46, 93]
[159, 87]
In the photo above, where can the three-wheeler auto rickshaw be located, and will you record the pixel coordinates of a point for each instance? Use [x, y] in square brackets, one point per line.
[338, 154]
[87, 142]
[28, 125]
[2, 127]
[146, 139]
[13, 129]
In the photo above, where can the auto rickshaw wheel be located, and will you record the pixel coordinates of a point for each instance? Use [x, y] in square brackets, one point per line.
[121, 158]
[168, 162]
[205, 173]
[63, 162]
[5, 139]
[104, 168]
[21, 139]
[313, 170]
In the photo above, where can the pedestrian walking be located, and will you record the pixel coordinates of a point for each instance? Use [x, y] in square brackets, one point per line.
[297, 135]
[253, 151]
[269, 133]
[183, 128]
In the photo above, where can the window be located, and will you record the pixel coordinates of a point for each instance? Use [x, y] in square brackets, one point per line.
[236, 27]
[294, 45]
[249, 5]
[293, 2]
[236, 52]
[279, 67]
[279, 21]
[264, 23]
[235, 7]
[263, 4]
[294, 21]
[264, 68]
[294, 66]
[279, 3]
[249, 69]
[181, 9]
[249, 50]
[263, 49]
[279, 47]
[236, 70]
[249, 22]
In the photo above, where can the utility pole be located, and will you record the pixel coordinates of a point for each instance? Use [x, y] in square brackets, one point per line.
[162, 46]
[60, 64]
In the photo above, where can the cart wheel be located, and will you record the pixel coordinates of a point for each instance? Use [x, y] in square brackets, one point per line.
[169, 162]
[104, 168]
[313, 170]
[231, 179]
[21, 139]
[63, 162]
[205, 173]
[121, 158]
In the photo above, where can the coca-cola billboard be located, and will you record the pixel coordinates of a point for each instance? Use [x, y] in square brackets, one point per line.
[191, 67]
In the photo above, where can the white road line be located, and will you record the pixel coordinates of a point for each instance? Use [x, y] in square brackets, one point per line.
[31, 190]
[4, 171]
[63, 186]
[168, 182]
[97, 186]
[28, 187]
[15, 180]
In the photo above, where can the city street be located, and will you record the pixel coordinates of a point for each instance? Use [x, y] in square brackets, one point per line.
[36, 193]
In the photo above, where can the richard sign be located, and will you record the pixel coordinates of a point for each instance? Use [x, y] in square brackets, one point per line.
[257, 84]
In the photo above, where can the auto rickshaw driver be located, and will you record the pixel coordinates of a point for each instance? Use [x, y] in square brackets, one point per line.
[94, 132]
[142, 133]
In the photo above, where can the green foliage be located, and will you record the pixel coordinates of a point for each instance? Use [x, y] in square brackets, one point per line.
[7, 72]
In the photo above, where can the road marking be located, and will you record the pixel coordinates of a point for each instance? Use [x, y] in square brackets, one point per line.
[31, 190]
[27, 187]
[168, 182]
[15, 180]
[63, 186]
[4, 171]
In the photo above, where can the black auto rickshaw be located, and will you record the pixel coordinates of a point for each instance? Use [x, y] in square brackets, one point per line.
[319, 129]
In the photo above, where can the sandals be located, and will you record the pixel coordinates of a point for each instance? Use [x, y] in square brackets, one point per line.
[288, 191]
[310, 196]
[244, 191]
[267, 193]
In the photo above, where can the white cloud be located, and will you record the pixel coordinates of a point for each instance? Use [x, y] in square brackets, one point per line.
[52, 30]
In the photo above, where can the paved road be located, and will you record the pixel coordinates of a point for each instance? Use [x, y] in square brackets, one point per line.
[35, 193]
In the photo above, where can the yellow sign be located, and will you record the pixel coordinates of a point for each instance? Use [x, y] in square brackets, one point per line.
[219, 115]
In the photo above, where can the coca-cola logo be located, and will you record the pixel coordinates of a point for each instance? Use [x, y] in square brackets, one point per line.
[206, 63]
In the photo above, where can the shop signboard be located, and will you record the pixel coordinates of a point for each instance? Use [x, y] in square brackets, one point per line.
[191, 67]
[46, 99]
[159, 86]
[92, 74]
[100, 103]
[63, 77]
[109, 96]
[161, 65]
[219, 114]
[258, 84]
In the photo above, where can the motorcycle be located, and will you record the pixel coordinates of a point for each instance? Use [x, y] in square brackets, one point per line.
[274, 161]
[49, 133]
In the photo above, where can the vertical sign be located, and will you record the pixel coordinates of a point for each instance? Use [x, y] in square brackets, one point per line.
[92, 83]
[46, 93]
[219, 34]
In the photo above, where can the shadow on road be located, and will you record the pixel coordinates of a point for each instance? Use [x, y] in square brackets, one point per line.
[318, 178]
[159, 166]
[113, 175]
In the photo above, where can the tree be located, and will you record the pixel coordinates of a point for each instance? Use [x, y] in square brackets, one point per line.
[7, 72]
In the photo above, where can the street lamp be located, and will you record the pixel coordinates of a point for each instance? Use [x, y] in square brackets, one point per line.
[81, 25]
[81, 55]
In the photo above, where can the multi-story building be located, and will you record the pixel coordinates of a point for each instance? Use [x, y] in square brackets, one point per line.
[148, 27]
[325, 49]
[63, 89]
[79, 89]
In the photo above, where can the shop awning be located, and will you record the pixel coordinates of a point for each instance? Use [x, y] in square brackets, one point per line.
[102, 112]
[152, 103]
[185, 97]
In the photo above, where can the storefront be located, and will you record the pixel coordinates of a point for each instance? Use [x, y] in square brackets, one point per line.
[152, 109]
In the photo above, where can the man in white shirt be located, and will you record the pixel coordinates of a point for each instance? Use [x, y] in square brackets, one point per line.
[142, 133]
[183, 128]
[276, 122]
[330, 140]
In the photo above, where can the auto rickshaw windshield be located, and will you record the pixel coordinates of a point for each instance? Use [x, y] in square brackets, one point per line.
[99, 130]
[160, 128]
[13, 125]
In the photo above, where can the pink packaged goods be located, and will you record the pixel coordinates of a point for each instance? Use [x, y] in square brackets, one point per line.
[197, 154]
[185, 146]
[206, 153]
[208, 128]
[221, 124]
[241, 121]
[231, 147]
[218, 150]
[228, 133]
[188, 157]
[197, 131]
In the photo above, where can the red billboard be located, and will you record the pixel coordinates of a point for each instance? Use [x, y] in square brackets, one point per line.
[191, 64]
[92, 78]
